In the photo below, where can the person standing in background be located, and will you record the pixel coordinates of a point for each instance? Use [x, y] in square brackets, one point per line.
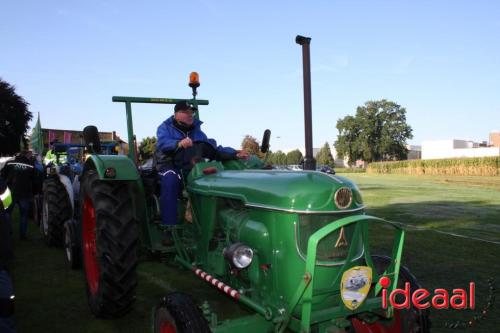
[6, 289]
[20, 177]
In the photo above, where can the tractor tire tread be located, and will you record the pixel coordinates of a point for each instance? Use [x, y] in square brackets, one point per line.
[59, 210]
[381, 262]
[117, 242]
[188, 317]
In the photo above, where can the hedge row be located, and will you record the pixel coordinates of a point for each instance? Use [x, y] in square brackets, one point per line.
[477, 166]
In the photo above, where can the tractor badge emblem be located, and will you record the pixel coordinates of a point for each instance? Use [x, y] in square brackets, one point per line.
[355, 285]
[341, 241]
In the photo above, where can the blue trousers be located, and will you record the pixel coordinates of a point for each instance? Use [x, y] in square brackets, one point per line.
[171, 186]
[24, 206]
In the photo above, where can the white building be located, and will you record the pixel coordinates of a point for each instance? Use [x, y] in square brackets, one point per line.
[453, 148]
[414, 152]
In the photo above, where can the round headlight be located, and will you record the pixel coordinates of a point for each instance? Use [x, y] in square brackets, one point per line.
[343, 197]
[239, 255]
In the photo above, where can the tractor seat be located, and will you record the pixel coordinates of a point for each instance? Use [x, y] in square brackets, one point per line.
[150, 177]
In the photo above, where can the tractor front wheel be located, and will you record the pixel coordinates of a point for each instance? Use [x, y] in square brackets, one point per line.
[72, 244]
[56, 208]
[177, 313]
[411, 320]
[109, 245]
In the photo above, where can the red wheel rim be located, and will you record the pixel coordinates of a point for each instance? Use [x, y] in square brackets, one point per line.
[89, 245]
[394, 326]
[167, 327]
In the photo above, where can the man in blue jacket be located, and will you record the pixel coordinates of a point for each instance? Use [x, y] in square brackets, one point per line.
[180, 139]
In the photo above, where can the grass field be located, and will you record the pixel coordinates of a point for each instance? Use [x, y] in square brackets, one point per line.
[453, 237]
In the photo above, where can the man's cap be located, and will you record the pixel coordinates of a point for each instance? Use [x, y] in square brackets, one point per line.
[183, 106]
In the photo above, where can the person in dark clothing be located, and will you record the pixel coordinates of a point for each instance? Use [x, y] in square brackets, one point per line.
[38, 175]
[38, 178]
[5, 228]
[6, 289]
[180, 139]
[20, 176]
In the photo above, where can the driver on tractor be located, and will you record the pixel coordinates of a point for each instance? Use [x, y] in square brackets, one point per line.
[180, 143]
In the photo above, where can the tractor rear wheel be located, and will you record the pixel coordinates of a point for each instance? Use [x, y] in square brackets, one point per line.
[56, 208]
[177, 313]
[411, 320]
[109, 245]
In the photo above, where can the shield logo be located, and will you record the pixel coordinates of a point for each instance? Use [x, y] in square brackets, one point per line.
[355, 285]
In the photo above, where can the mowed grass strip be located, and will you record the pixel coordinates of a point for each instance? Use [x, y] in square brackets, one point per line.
[465, 205]
[51, 298]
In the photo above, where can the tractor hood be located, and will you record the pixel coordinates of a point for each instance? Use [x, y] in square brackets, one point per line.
[296, 191]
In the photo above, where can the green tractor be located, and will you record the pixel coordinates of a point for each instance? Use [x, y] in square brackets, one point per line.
[63, 165]
[291, 246]
[61, 187]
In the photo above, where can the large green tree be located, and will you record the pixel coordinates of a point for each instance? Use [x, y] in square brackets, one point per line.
[378, 132]
[278, 158]
[293, 157]
[14, 118]
[147, 148]
[324, 156]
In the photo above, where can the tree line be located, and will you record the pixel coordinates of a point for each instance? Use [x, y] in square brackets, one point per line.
[14, 118]
[378, 131]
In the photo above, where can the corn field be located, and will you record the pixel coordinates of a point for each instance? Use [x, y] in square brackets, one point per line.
[478, 166]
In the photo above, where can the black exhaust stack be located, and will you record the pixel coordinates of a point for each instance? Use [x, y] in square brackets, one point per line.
[309, 161]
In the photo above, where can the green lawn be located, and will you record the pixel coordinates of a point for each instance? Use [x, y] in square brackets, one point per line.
[439, 212]
[51, 298]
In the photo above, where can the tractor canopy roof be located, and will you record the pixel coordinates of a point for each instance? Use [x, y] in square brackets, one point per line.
[294, 191]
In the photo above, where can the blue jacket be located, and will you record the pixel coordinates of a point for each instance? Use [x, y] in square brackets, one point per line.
[168, 155]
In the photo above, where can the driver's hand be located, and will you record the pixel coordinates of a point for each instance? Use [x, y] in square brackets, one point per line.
[243, 154]
[186, 143]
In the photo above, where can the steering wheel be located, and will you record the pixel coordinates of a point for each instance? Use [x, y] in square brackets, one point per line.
[202, 150]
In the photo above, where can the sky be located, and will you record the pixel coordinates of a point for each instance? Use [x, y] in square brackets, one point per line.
[440, 60]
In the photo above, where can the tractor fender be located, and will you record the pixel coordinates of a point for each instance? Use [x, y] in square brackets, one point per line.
[69, 188]
[125, 169]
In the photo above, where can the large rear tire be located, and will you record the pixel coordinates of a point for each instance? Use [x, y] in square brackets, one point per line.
[177, 313]
[56, 209]
[109, 245]
[412, 320]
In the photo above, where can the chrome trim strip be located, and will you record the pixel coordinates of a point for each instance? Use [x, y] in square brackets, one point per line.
[322, 263]
[306, 211]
